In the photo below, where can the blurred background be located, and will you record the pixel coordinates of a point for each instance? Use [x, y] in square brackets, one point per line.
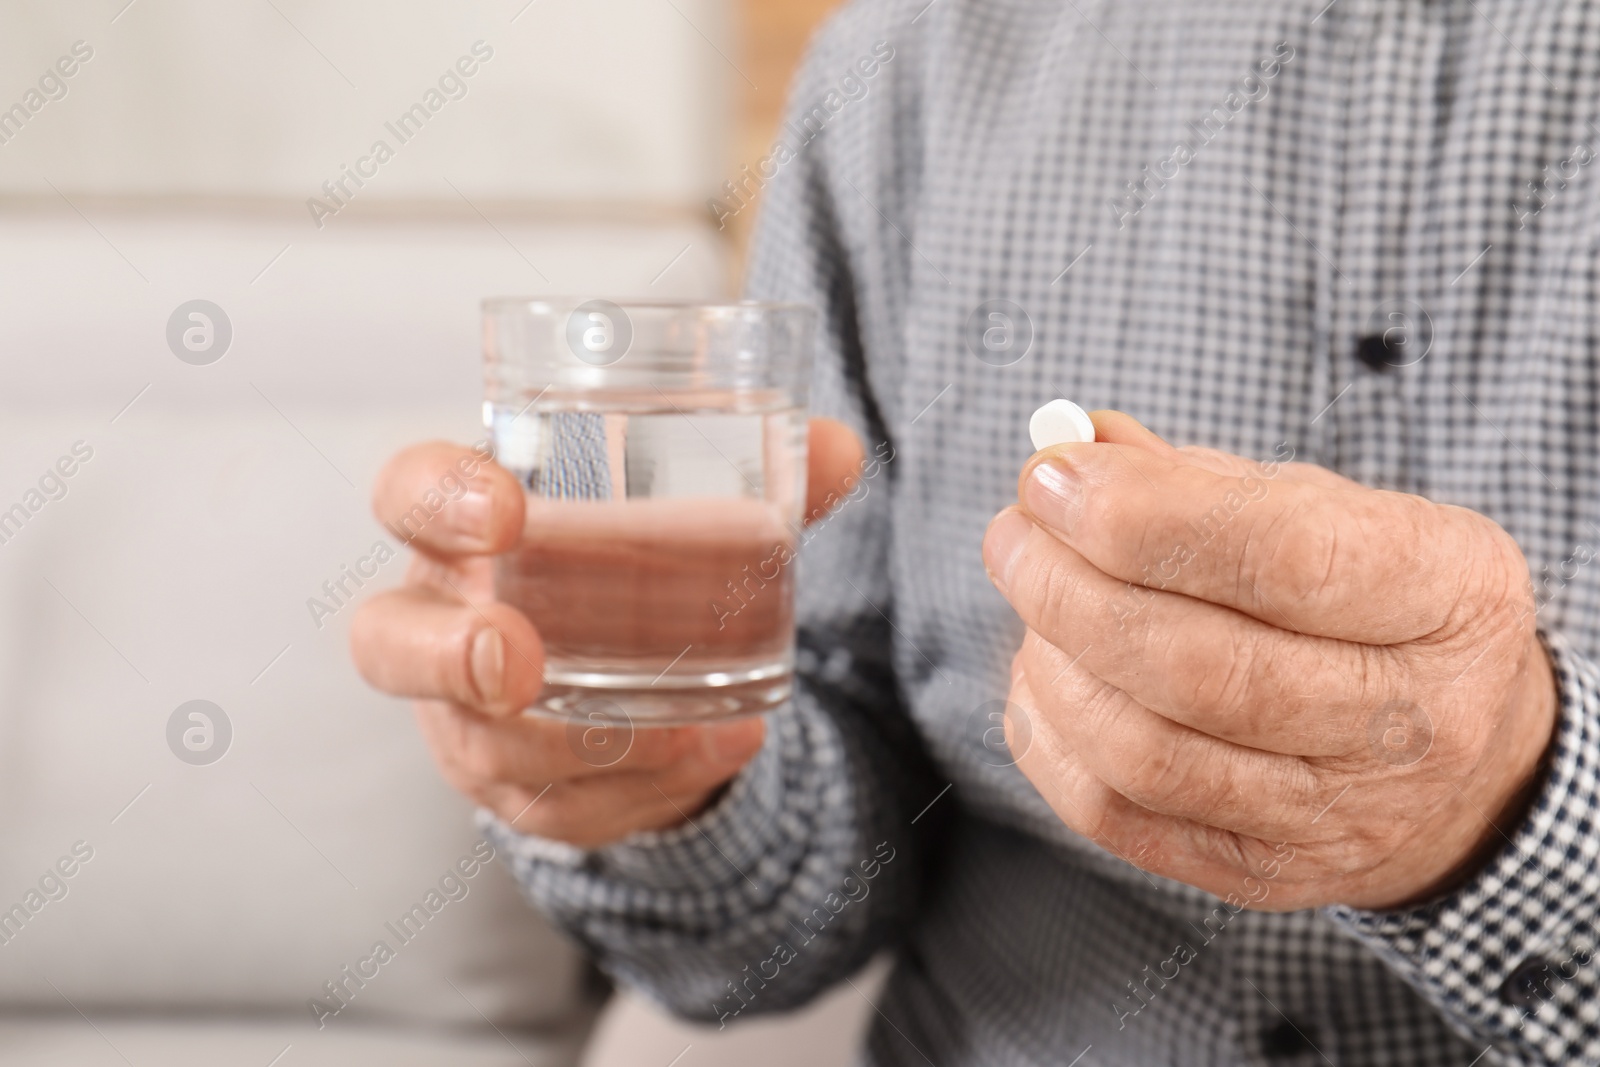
[221, 307]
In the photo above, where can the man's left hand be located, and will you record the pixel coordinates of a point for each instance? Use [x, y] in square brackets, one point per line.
[1225, 657]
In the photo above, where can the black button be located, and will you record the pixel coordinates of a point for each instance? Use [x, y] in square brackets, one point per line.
[1285, 1040]
[1529, 984]
[1380, 354]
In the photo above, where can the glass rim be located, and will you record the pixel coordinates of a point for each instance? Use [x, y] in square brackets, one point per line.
[558, 303]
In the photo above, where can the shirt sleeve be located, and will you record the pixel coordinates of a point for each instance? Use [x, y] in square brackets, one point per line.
[1509, 958]
[813, 858]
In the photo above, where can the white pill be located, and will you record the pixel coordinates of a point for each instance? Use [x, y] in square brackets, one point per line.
[1060, 422]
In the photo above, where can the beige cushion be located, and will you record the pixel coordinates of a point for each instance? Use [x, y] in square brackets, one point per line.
[199, 1043]
[177, 567]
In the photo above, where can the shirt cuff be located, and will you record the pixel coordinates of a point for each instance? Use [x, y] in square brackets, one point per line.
[1509, 957]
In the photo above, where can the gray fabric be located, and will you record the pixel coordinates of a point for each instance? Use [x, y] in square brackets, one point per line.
[576, 467]
[1385, 158]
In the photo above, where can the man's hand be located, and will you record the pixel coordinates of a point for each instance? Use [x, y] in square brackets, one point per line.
[1224, 657]
[473, 664]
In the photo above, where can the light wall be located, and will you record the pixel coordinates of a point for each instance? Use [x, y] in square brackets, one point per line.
[584, 102]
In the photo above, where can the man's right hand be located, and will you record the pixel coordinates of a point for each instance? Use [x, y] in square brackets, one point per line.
[473, 664]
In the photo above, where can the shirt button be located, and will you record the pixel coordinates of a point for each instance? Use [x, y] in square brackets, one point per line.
[1286, 1040]
[1376, 353]
[1529, 984]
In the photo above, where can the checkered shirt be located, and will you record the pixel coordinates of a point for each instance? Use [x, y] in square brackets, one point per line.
[1379, 244]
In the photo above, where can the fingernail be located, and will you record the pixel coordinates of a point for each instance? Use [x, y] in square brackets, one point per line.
[471, 515]
[1054, 495]
[488, 664]
[732, 743]
[1003, 544]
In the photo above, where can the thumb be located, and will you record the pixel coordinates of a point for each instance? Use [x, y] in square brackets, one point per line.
[833, 467]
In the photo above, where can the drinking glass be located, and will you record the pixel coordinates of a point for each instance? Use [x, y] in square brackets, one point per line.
[662, 450]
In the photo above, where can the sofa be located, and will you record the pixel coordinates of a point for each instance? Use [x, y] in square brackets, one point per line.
[216, 844]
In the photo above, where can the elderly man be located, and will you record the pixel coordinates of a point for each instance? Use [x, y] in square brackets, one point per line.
[1294, 764]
